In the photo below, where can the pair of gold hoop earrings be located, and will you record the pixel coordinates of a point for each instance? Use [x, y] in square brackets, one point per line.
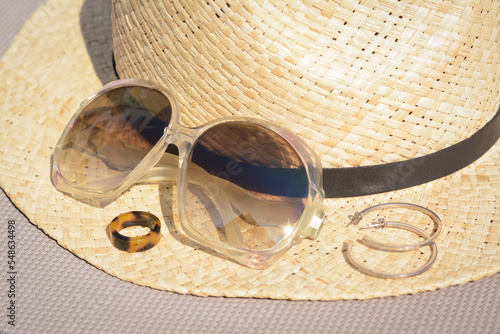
[382, 223]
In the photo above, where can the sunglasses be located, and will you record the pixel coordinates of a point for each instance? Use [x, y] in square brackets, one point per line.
[247, 189]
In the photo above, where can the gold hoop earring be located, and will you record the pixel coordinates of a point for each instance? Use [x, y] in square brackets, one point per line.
[367, 271]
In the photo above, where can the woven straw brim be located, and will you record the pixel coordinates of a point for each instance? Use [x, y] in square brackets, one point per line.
[64, 53]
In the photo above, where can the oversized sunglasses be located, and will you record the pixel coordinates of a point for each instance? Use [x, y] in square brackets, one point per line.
[246, 188]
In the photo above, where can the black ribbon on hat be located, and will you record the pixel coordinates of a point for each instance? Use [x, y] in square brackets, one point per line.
[368, 180]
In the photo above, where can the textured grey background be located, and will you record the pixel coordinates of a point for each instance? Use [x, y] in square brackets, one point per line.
[56, 292]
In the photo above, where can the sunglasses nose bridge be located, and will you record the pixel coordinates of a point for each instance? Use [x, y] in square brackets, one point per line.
[167, 167]
[180, 135]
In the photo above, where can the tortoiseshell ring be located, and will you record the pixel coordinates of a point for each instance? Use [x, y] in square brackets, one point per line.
[134, 244]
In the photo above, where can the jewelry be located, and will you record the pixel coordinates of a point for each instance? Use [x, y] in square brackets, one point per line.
[134, 244]
[367, 241]
[360, 267]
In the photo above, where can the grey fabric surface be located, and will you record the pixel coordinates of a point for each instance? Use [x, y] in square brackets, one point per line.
[56, 292]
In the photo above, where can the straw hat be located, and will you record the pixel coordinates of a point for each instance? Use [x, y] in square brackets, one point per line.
[364, 84]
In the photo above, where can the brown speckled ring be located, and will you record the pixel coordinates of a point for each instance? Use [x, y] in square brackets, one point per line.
[134, 244]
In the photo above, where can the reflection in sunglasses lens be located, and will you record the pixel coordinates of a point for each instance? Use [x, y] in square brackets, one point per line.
[112, 135]
[247, 186]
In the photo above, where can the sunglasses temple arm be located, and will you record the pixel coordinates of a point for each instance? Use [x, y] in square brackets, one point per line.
[245, 202]
[230, 195]
[201, 178]
[167, 169]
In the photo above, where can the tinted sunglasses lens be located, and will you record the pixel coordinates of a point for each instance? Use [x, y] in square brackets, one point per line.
[247, 186]
[112, 135]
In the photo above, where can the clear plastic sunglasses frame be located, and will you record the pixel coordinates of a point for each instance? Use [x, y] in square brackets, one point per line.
[307, 226]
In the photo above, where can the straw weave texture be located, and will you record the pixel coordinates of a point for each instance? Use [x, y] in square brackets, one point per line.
[364, 83]
[64, 53]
